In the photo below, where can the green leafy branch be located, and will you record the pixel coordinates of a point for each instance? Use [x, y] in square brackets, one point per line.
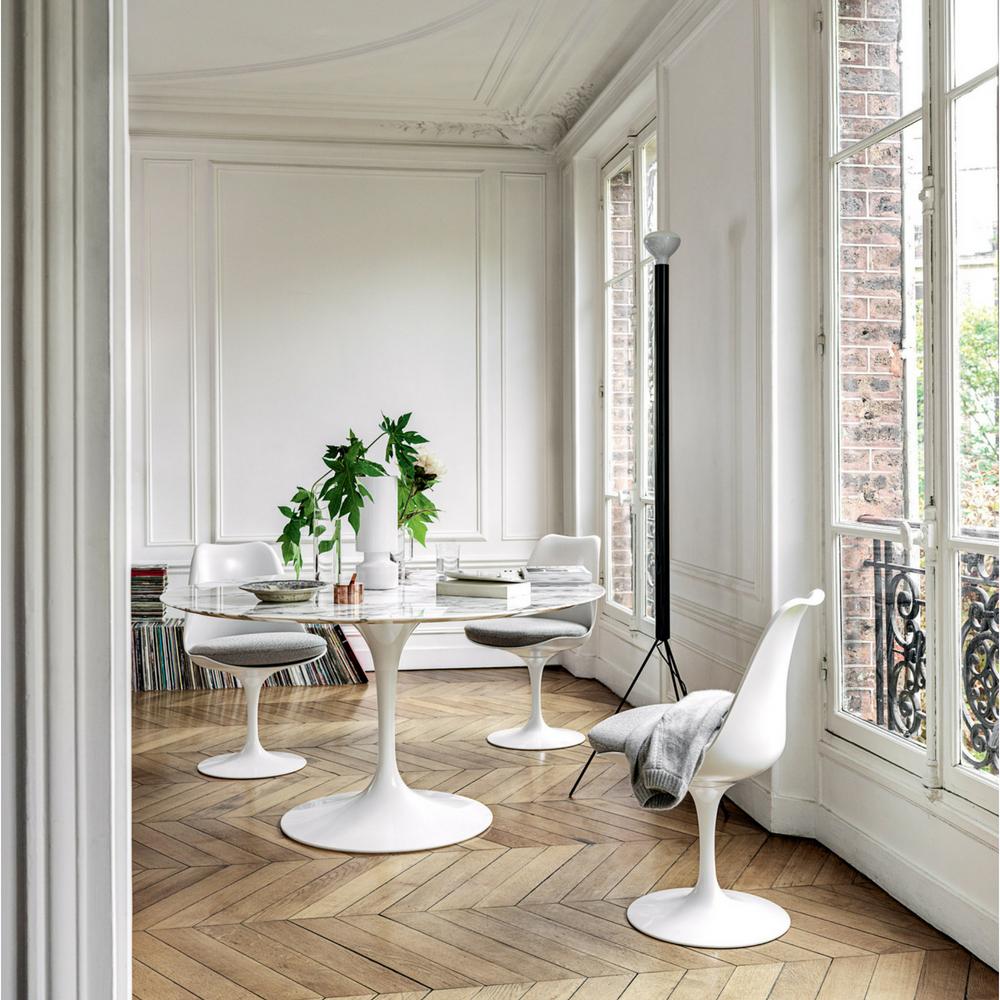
[341, 493]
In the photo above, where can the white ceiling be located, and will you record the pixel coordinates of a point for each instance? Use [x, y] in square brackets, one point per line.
[508, 72]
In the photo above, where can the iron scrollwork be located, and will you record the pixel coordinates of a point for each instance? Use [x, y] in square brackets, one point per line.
[901, 649]
[979, 659]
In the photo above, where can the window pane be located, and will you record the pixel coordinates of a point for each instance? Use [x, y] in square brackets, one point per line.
[620, 388]
[883, 627]
[879, 64]
[975, 295]
[619, 197]
[978, 636]
[619, 533]
[880, 329]
[619, 402]
[648, 188]
[975, 38]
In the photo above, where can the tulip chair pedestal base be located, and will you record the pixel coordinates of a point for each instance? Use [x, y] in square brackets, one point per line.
[253, 761]
[708, 916]
[721, 919]
[263, 764]
[535, 736]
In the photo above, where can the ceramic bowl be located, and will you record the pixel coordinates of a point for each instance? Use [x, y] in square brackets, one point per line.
[283, 591]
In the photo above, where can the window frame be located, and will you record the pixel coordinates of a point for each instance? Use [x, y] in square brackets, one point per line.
[641, 501]
[938, 763]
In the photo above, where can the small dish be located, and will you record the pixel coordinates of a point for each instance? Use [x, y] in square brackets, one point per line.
[283, 591]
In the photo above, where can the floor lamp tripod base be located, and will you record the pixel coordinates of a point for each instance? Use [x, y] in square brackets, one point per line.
[662, 647]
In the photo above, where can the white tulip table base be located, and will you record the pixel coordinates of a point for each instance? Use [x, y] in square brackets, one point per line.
[388, 817]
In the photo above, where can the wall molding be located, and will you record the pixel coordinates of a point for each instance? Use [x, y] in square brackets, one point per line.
[219, 168]
[698, 19]
[534, 111]
[480, 505]
[150, 541]
[506, 534]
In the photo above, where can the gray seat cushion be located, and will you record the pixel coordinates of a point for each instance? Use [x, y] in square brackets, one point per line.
[510, 633]
[610, 735]
[262, 649]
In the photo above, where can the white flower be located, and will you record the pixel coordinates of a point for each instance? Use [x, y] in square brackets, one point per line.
[432, 466]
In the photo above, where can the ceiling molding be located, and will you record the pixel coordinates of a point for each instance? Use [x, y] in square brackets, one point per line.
[349, 52]
[515, 74]
[253, 119]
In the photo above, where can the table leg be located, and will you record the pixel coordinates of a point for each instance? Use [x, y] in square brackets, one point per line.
[388, 817]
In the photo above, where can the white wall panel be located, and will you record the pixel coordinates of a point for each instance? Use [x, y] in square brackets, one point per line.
[330, 286]
[527, 469]
[167, 354]
[361, 289]
[712, 183]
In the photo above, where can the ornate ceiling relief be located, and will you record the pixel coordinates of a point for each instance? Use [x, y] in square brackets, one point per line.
[540, 131]
[514, 73]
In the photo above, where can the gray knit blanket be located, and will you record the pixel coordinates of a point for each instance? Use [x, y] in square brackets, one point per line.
[664, 744]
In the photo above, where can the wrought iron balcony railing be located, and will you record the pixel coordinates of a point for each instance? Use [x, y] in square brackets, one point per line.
[901, 647]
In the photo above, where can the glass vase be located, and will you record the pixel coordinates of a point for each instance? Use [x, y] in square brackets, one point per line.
[404, 553]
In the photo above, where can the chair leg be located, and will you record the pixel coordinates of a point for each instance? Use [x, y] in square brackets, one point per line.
[253, 761]
[535, 734]
[708, 916]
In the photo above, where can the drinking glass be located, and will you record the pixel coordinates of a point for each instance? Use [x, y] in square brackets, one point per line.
[447, 558]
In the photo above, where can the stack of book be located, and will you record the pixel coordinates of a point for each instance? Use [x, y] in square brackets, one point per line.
[558, 576]
[507, 585]
[148, 583]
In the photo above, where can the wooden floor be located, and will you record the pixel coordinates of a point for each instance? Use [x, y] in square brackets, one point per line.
[226, 908]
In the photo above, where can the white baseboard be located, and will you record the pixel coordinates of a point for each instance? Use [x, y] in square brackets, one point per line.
[935, 901]
[784, 814]
[437, 647]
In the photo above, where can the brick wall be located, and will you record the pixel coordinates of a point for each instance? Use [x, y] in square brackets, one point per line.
[619, 394]
[870, 321]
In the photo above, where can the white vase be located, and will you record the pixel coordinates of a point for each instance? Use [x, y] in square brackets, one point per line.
[377, 534]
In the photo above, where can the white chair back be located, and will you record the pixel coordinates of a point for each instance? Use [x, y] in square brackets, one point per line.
[568, 550]
[228, 564]
[752, 736]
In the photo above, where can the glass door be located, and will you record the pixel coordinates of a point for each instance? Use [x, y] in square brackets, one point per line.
[912, 387]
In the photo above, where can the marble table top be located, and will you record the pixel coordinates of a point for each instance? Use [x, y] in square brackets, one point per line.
[413, 601]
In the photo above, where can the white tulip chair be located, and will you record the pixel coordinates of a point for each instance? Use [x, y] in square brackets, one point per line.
[249, 651]
[536, 639]
[750, 740]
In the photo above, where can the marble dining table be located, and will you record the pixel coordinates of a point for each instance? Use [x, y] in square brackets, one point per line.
[388, 816]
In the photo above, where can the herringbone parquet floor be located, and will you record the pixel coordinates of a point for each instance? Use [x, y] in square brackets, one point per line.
[226, 908]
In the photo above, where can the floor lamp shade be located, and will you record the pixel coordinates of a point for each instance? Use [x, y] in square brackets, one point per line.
[662, 245]
[378, 533]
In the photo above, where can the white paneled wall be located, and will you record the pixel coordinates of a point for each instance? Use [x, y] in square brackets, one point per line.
[281, 296]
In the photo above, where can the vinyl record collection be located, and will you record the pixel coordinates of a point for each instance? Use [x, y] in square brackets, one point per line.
[159, 662]
[148, 582]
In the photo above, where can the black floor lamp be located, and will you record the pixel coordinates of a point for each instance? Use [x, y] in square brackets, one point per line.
[661, 245]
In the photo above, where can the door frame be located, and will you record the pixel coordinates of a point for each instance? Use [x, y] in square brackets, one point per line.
[66, 742]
